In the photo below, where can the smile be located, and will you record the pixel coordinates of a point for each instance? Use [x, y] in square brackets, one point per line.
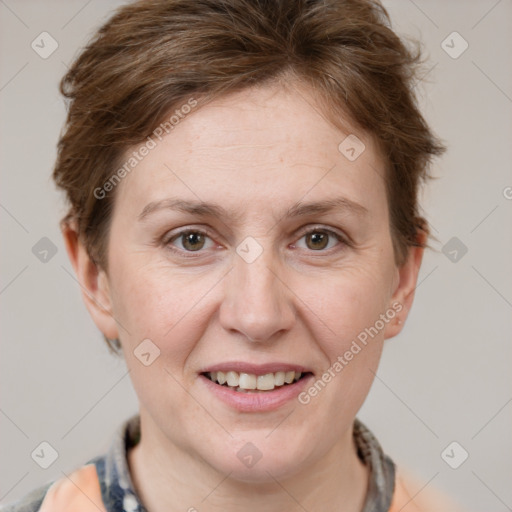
[252, 383]
[255, 388]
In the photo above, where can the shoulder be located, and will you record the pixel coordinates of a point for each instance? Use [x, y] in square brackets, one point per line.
[411, 494]
[80, 491]
[31, 502]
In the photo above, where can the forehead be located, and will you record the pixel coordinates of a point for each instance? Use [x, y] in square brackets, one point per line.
[265, 143]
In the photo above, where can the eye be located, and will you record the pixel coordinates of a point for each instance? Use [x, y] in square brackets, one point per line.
[195, 240]
[192, 240]
[319, 239]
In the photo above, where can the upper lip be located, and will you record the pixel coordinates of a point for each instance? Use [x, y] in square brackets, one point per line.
[256, 369]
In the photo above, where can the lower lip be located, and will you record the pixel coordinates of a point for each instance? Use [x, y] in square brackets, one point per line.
[256, 402]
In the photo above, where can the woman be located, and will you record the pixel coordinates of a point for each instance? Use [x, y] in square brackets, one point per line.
[242, 179]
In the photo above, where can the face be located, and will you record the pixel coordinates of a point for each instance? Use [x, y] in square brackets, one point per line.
[261, 283]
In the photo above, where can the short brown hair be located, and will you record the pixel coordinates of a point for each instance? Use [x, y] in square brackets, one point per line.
[154, 55]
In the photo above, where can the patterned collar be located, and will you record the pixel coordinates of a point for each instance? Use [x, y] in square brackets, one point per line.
[119, 495]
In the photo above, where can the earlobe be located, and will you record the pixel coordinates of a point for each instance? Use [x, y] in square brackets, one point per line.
[93, 282]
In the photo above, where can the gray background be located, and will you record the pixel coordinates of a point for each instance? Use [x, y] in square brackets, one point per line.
[445, 378]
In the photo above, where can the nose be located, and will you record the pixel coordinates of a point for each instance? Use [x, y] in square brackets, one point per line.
[257, 301]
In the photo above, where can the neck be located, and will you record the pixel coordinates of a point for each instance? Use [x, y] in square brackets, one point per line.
[171, 479]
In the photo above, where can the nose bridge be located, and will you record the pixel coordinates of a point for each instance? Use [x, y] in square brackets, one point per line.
[256, 302]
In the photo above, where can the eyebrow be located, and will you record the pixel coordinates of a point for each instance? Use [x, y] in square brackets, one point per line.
[299, 209]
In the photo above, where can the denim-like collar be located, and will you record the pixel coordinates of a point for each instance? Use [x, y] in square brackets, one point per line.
[119, 495]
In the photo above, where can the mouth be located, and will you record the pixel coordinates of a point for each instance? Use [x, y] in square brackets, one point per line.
[243, 382]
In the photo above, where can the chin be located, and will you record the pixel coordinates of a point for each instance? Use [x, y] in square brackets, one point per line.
[248, 464]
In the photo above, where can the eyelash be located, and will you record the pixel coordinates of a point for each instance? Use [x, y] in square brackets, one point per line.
[194, 254]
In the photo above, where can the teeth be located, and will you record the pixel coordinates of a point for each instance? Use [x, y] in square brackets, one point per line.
[248, 381]
[288, 377]
[232, 378]
[266, 382]
[279, 378]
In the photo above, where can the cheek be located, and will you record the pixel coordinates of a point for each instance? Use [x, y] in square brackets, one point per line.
[346, 303]
[166, 308]
[349, 332]
[153, 302]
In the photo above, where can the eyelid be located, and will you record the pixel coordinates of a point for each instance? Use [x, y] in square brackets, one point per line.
[342, 238]
[168, 237]
[318, 227]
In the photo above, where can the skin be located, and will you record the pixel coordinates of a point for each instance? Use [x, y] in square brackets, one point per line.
[256, 152]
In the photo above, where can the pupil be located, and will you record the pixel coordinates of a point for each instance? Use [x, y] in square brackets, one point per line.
[193, 238]
[316, 237]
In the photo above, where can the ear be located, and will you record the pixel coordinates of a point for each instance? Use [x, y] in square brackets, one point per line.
[93, 282]
[406, 279]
